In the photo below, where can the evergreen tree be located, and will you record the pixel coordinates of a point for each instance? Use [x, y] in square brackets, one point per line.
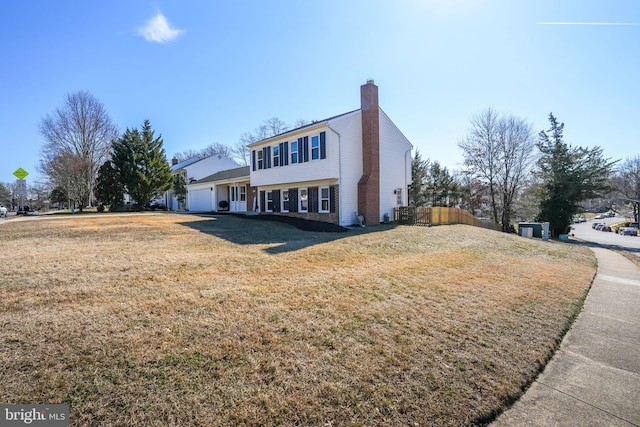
[569, 176]
[440, 185]
[419, 173]
[141, 165]
[109, 190]
[180, 188]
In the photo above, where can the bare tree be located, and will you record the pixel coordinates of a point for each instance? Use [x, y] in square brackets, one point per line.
[627, 182]
[79, 134]
[515, 147]
[480, 153]
[70, 172]
[498, 151]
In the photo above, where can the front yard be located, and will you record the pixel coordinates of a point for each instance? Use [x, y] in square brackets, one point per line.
[161, 319]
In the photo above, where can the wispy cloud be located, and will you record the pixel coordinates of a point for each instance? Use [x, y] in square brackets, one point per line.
[158, 30]
[588, 23]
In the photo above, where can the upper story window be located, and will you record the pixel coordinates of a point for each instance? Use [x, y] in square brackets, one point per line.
[276, 156]
[315, 147]
[294, 151]
[260, 159]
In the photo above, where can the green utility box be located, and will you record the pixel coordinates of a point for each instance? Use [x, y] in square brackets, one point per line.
[535, 226]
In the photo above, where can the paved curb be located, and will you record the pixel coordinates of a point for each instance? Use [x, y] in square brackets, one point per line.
[594, 378]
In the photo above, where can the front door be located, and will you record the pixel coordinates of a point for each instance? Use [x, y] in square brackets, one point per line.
[238, 197]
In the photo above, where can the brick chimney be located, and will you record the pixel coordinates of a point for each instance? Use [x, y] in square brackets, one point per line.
[174, 161]
[369, 184]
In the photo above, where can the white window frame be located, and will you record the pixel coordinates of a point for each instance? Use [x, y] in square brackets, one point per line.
[399, 196]
[324, 199]
[284, 197]
[268, 200]
[260, 159]
[315, 139]
[276, 156]
[243, 193]
[300, 200]
[294, 152]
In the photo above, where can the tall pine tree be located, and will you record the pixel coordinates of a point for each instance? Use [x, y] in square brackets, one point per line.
[569, 176]
[141, 164]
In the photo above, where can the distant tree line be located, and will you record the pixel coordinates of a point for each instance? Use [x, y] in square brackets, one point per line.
[508, 174]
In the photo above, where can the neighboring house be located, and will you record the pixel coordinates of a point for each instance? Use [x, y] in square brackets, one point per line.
[227, 190]
[355, 163]
[194, 169]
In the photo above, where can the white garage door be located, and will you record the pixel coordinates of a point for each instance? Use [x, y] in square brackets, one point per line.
[200, 200]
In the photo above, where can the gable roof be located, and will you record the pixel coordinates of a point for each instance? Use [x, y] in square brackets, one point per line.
[310, 125]
[241, 172]
[184, 163]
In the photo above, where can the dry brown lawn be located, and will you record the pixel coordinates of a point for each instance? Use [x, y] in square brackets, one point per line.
[161, 319]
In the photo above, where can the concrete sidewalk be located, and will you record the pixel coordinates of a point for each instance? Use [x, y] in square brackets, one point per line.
[594, 378]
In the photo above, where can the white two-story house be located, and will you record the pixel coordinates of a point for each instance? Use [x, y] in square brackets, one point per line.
[355, 163]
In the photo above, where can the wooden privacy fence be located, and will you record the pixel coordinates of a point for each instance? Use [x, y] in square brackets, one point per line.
[420, 215]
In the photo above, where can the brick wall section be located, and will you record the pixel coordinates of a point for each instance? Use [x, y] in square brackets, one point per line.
[369, 184]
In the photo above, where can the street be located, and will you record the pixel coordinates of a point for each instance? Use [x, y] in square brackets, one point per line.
[584, 231]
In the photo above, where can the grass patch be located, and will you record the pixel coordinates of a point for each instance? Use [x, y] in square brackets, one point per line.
[161, 319]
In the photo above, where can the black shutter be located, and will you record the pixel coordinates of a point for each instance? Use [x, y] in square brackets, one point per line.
[293, 200]
[323, 145]
[332, 199]
[305, 149]
[264, 157]
[269, 157]
[286, 153]
[275, 195]
[263, 207]
[313, 199]
[281, 153]
[253, 159]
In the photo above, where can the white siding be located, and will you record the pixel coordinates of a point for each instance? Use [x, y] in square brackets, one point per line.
[395, 165]
[350, 163]
[297, 172]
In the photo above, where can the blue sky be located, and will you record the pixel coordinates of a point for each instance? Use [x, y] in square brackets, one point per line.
[217, 69]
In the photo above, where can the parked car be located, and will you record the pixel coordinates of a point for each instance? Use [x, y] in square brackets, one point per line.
[599, 227]
[628, 231]
[3, 211]
[595, 224]
[605, 228]
[599, 216]
[22, 210]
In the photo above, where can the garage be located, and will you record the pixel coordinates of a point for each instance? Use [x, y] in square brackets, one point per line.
[200, 200]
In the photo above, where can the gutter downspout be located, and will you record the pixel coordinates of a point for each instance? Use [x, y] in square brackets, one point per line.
[339, 169]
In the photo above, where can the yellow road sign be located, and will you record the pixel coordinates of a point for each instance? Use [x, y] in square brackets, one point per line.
[20, 173]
